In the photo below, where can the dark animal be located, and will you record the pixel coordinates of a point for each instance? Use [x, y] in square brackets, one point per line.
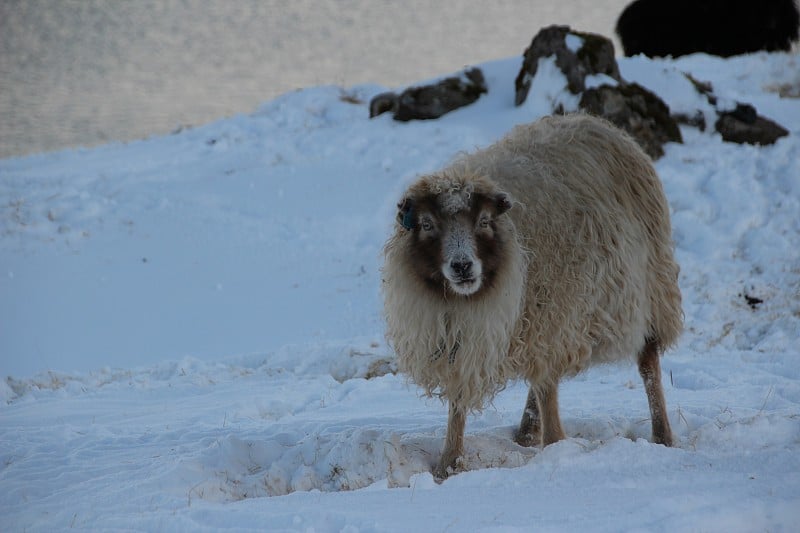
[660, 28]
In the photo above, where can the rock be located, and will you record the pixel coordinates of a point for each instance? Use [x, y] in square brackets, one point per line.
[744, 125]
[630, 106]
[431, 101]
[577, 55]
[382, 103]
[695, 120]
[636, 110]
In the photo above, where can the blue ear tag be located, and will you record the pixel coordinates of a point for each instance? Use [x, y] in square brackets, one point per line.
[408, 219]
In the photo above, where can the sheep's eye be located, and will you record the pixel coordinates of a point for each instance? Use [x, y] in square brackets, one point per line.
[484, 222]
[426, 225]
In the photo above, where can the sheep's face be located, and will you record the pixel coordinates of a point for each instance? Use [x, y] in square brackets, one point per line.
[456, 245]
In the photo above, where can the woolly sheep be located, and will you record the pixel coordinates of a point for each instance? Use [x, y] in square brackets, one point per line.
[721, 27]
[536, 257]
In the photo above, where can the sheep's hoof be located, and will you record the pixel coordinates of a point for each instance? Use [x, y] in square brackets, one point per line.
[666, 440]
[440, 473]
[527, 439]
[446, 468]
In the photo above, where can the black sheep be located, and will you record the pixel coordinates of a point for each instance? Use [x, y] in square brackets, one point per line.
[658, 28]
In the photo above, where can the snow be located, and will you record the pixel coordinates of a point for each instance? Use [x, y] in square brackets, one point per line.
[573, 42]
[190, 332]
[549, 90]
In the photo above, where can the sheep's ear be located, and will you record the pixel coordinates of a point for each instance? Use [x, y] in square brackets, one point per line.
[502, 202]
[405, 213]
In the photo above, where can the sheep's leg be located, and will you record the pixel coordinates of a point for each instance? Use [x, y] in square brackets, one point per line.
[650, 370]
[454, 442]
[530, 427]
[548, 406]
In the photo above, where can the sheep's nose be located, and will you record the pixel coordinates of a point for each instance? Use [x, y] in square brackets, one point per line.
[461, 268]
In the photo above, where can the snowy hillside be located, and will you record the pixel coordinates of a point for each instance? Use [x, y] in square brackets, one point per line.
[191, 339]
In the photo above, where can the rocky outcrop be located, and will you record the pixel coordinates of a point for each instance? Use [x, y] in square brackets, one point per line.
[744, 125]
[592, 83]
[577, 54]
[636, 110]
[630, 106]
[737, 122]
[431, 101]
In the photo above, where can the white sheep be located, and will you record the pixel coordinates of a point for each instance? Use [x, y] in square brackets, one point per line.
[538, 256]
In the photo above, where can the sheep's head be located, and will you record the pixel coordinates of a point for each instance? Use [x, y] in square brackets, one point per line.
[456, 239]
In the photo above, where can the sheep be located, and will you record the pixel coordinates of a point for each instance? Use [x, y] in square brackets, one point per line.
[534, 258]
[720, 27]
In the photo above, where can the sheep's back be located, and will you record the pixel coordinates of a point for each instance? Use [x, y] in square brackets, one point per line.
[594, 221]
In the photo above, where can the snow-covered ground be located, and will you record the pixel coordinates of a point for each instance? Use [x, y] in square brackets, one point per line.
[190, 333]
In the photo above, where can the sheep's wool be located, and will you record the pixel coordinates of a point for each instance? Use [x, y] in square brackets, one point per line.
[588, 273]
[436, 339]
